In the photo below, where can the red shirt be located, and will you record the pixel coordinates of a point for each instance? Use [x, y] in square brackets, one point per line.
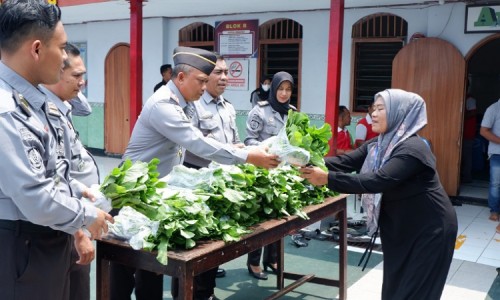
[344, 140]
[369, 132]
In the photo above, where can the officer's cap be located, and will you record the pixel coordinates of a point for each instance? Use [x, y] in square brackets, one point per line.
[200, 59]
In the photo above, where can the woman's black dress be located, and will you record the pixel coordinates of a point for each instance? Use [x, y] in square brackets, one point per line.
[418, 224]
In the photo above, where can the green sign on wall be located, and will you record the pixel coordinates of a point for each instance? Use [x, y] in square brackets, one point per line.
[482, 18]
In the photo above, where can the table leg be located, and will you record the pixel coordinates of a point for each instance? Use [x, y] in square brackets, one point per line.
[342, 254]
[280, 279]
[102, 278]
[186, 286]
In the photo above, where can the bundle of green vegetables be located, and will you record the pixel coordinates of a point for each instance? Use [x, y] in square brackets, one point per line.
[315, 140]
[223, 207]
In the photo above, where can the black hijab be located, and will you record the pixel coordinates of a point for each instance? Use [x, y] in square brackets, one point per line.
[278, 78]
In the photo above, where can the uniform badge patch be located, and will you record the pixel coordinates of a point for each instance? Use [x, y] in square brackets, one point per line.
[255, 123]
[35, 159]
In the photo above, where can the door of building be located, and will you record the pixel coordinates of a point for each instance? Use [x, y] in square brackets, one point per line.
[435, 69]
[117, 99]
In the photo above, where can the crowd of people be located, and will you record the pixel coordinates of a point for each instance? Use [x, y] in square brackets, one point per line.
[187, 120]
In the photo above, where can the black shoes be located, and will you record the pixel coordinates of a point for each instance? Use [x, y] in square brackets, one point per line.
[270, 266]
[220, 273]
[258, 275]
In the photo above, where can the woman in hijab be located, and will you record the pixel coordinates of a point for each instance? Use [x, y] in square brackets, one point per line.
[402, 196]
[267, 117]
[264, 121]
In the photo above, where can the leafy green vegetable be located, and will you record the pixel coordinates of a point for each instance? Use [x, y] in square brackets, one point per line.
[315, 140]
[236, 198]
[134, 184]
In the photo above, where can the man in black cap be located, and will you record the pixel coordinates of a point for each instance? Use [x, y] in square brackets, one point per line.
[164, 130]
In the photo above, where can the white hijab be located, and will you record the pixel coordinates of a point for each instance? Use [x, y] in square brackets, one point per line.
[406, 115]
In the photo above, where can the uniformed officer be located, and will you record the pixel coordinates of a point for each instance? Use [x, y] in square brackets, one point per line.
[268, 117]
[83, 168]
[215, 117]
[164, 130]
[264, 121]
[37, 212]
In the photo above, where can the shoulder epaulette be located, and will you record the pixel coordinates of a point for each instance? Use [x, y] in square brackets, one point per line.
[53, 110]
[263, 103]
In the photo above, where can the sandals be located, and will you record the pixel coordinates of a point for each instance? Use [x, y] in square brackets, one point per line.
[299, 241]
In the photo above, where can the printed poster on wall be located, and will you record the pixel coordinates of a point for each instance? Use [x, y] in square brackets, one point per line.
[237, 38]
[237, 78]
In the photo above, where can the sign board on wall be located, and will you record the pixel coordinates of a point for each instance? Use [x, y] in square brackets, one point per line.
[237, 78]
[237, 38]
[482, 18]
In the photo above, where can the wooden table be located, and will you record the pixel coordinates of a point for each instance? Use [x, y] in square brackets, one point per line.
[185, 264]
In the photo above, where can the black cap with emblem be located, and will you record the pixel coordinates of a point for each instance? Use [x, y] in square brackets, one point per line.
[200, 59]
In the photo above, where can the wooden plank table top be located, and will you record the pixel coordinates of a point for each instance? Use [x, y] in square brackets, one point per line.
[185, 264]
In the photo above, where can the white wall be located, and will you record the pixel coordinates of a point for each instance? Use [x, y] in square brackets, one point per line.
[160, 37]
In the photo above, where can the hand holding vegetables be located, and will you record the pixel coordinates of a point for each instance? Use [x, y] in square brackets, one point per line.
[315, 175]
[260, 158]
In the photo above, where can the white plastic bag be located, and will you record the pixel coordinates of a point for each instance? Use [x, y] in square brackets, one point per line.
[100, 200]
[132, 226]
[280, 145]
[184, 177]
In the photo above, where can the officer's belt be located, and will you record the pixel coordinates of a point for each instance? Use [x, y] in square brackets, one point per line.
[26, 227]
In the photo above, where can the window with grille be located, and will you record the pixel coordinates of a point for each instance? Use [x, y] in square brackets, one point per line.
[197, 35]
[280, 50]
[376, 41]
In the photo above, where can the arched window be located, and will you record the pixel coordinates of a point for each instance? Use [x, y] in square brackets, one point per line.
[198, 35]
[376, 41]
[280, 49]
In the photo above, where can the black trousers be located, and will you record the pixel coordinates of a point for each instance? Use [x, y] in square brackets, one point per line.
[35, 262]
[270, 255]
[79, 277]
[147, 285]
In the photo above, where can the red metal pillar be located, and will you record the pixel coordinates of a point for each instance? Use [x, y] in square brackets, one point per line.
[135, 60]
[334, 68]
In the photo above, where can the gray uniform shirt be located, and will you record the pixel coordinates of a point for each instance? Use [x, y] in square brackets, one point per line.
[216, 119]
[263, 122]
[491, 119]
[164, 131]
[83, 168]
[31, 188]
